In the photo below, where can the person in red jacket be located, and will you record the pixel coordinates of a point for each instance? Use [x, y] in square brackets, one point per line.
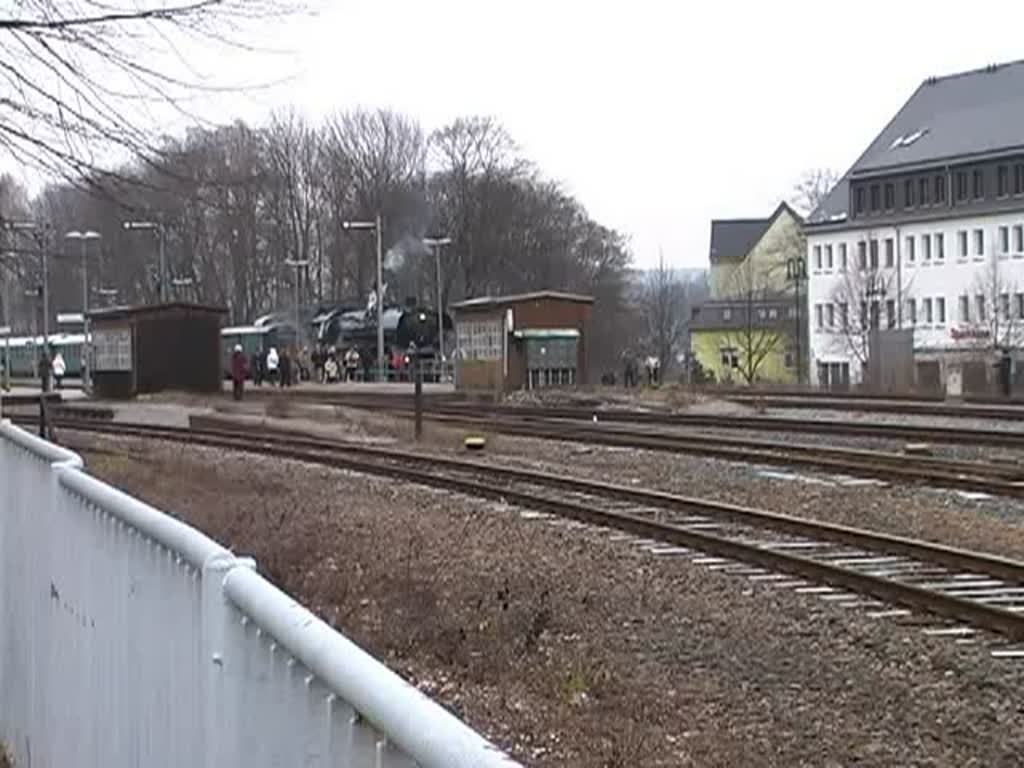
[238, 371]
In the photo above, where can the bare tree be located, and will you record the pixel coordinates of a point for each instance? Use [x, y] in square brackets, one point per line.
[860, 305]
[86, 78]
[995, 309]
[812, 188]
[759, 329]
[665, 309]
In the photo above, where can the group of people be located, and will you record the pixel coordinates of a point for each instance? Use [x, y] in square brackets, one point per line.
[287, 367]
[331, 367]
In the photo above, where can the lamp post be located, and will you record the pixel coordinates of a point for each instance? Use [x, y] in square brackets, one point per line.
[158, 228]
[83, 238]
[376, 226]
[796, 273]
[39, 231]
[298, 264]
[437, 243]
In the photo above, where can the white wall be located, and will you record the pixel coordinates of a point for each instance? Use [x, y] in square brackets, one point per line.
[921, 279]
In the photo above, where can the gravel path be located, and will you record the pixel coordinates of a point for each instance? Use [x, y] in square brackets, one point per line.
[572, 649]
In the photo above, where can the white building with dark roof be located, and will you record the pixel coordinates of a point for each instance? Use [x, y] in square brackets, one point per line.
[926, 232]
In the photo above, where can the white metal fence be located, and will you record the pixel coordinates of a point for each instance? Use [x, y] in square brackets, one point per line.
[128, 638]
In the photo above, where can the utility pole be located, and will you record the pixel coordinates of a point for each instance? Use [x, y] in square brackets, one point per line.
[377, 226]
[83, 238]
[437, 243]
[796, 273]
[298, 264]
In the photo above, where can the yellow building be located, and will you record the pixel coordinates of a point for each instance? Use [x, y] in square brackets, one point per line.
[746, 342]
[751, 330]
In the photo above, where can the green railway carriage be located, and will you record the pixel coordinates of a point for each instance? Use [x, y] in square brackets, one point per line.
[254, 339]
[24, 353]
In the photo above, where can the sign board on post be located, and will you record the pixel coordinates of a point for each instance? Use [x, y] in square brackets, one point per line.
[112, 349]
[70, 318]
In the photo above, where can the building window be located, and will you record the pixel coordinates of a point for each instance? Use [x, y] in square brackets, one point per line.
[961, 237]
[862, 255]
[965, 309]
[979, 242]
[859, 197]
[730, 358]
[940, 189]
[912, 311]
[1004, 306]
[863, 314]
[876, 315]
[910, 248]
[876, 201]
[773, 313]
[979, 184]
[842, 256]
[890, 196]
[940, 310]
[830, 313]
[961, 186]
[1018, 179]
[874, 254]
[791, 312]
[923, 188]
[1020, 306]
[1018, 239]
[979, 304]
[480, 340]
[828, 256]
[940, 246]
[727, 313]
[817, 257]
[890, 252]
[890, 313]
[908, 193]
[1003, 181]
[1004, 240]
[926, 247]
[926, 306]
[844, 315]
[818, 316]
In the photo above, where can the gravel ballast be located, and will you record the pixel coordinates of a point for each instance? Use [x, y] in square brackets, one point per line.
[572, 649]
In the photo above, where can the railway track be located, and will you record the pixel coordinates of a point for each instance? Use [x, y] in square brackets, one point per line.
[968, 591]
[442, 406]
[989, 477]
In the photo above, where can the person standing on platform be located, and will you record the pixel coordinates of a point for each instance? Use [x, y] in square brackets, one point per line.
[273, 362]
[286, 369]
[238, 372]
[60, 368]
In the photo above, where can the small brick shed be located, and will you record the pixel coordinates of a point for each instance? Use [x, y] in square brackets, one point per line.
[151, 348]
[527, 341]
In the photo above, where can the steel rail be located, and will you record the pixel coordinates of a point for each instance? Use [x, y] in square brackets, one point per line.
[400, 465]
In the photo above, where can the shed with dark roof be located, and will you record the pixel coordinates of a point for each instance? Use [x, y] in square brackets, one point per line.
[145, 349]
[529, 340]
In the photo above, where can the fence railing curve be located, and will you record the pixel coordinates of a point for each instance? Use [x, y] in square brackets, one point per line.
[128, 637]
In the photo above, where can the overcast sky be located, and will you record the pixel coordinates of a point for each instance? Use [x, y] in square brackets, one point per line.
[658, 116]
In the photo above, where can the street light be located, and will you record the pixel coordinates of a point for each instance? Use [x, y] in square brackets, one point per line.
[376, 226]
[796, 273]
[39, 231]
[83, 238]
[298, 264]
[437, 243]
[158, 227]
